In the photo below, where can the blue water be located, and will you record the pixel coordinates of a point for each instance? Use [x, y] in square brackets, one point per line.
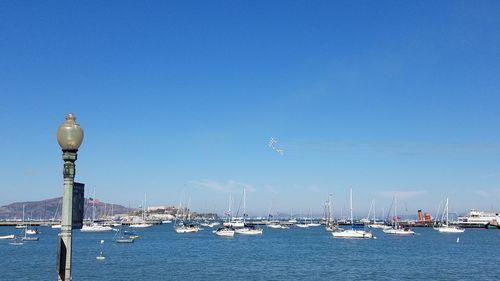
[293, 254]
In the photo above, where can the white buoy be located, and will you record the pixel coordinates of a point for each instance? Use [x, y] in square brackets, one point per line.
[100, 257]
[458, 239]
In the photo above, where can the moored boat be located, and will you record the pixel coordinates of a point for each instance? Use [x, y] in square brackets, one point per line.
[249, 230]
[477, 218]
[186, 228]
[224, 232]
[396, 229]
[446, 227]
[95, 227]
[357, 232]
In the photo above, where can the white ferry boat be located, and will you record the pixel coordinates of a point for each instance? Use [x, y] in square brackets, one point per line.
[477, 219]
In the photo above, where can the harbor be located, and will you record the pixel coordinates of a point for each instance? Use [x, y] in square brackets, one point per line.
[309, 254]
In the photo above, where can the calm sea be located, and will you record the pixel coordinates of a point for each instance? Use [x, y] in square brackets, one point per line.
[279, 254]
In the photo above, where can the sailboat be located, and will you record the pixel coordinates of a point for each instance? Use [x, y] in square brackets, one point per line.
[28, 238]
[142, 223]
[329, 223]
[311, 223]
[93, 226]
[396, 229]
[274, 223]
[226, 230]
[22, 225]
[446, 228]
[183, 226]
[232, 222]
[246, 229]
[121, 238]
[353, 232]
[29, 230]
[54, 223]
[302, 222]
[375, 223]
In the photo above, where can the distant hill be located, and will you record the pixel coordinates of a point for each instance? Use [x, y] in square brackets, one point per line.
[51, 209]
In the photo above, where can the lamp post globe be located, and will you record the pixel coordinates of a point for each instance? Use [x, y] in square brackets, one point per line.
[69, 137]
[70, 134]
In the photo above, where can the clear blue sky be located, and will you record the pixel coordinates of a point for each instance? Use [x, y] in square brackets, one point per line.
[178, 100]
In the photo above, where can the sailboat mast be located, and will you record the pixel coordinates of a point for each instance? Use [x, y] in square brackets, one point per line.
[350, 205]
[93, 207]
[143, 207]
[395, 208]
[244, 205]
[446, 211]
[229, 209]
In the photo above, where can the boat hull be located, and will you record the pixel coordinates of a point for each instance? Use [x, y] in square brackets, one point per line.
[302, 225]
[96, 228]
[125, 240]
[393, 231]
[447, 229]
[225, 233]
[247, 231]
[140, 225]
[353, 234]
[186, 229]
[30, 239]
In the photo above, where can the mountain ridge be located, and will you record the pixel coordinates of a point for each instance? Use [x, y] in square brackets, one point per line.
[50, 209]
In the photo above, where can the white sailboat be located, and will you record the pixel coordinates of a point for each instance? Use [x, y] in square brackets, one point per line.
[142, 223]
[93, 226]
[396, 229]
[28, 238]
[274, 223]
[183, 227]
[353, 232]
[232, 222]
[302, 225]
[446, 227]
[22, 225]
[186, 228]
[311, 223]
[302, 222]
[224, 232]
[247, 230]
[56, 225]
[375, 223]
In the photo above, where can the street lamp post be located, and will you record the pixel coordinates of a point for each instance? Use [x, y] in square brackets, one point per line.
[69, 137]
